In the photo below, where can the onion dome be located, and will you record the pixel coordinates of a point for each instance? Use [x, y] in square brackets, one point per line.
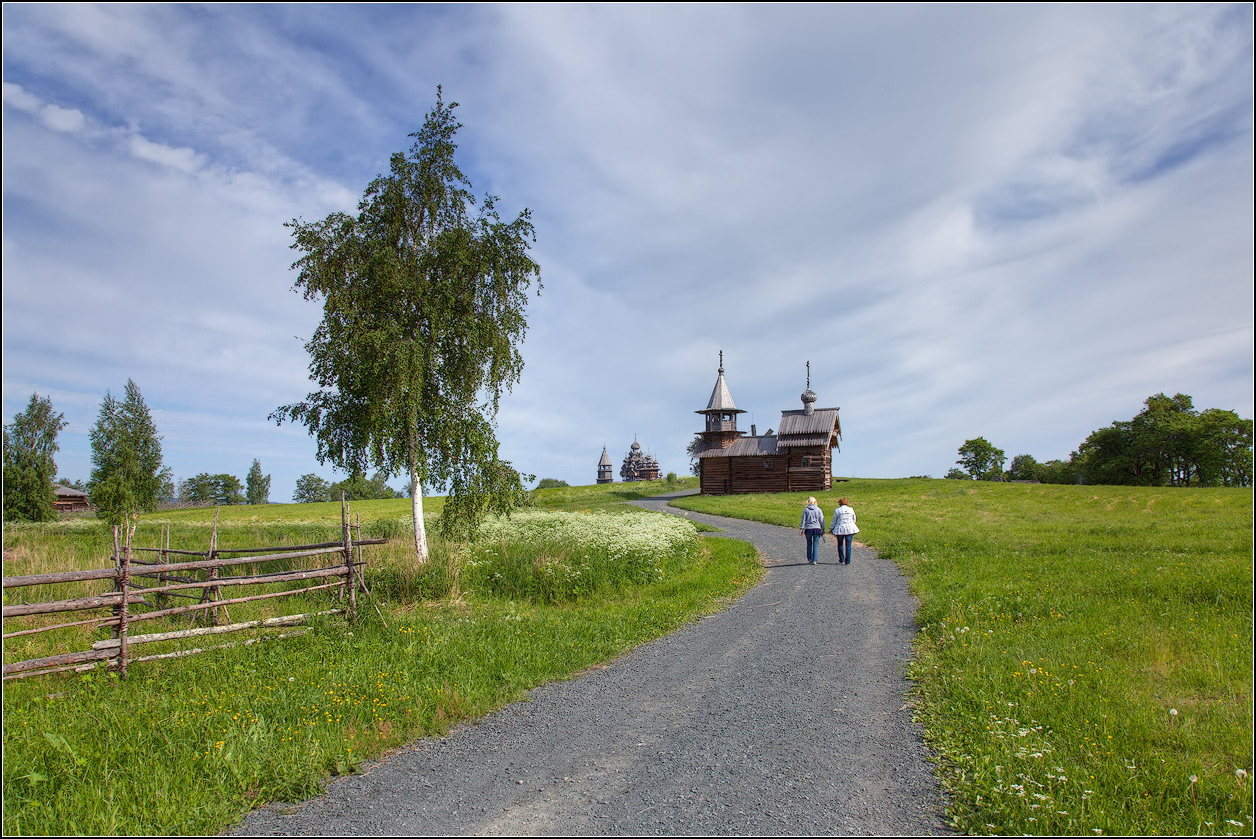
[808, 396]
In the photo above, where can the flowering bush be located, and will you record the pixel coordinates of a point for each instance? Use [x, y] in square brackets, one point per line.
[552, 556]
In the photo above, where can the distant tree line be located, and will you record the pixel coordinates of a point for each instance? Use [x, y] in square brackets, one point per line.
[1168, 443]
[311, 488]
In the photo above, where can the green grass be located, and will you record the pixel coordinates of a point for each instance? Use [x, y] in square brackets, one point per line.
[187, 746]
[1084, 662]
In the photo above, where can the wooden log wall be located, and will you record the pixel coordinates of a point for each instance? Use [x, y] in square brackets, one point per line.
[164, 579]
[730, 475]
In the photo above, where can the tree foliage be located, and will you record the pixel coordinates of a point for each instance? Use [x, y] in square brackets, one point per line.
[1024, 468]
[1060, 471]
[981, 460]
[1170, 443]
[127, 474]
[358, 487]
[204, 490]
[257, 485]
[551, 483]
[423, 298]
[310, 489]
[30, 442]
[695, 465]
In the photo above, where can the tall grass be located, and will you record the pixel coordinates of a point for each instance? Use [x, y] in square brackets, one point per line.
[1084, 662]
[187, 746]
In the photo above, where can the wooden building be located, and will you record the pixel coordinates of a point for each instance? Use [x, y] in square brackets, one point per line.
[796, 458]
[639, 466]
[68, 499]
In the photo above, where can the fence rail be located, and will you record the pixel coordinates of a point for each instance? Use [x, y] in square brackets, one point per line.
[172, 580]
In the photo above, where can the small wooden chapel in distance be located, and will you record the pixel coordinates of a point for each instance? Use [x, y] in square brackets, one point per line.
[797, 458]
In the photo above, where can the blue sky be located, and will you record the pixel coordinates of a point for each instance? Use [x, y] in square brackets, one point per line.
[1015, 222]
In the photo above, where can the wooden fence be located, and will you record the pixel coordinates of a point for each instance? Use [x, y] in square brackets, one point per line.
[199, 580]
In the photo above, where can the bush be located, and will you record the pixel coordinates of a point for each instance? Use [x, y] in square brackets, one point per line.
[551, 556]
[551, 483]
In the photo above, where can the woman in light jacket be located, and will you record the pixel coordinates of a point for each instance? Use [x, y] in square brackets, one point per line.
[844, 529]
[812, 526]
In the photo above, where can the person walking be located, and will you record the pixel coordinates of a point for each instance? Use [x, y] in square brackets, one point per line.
[812, 526]
[844, 529]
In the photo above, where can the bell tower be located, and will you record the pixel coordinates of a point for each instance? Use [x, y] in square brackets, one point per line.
[721, 415]
[605, 469]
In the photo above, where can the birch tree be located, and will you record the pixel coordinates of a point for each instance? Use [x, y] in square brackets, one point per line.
[423, 295]
[29, 445]
[127, 473]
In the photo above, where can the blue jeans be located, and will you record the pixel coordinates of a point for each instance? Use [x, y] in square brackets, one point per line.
[813, 544]
[844, 544]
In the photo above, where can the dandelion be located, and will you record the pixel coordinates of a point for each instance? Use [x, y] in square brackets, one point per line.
[1194, 779]
[1240, 774]
[1173, 712]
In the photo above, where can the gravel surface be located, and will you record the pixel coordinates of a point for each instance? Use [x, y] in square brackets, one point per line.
[786, 713]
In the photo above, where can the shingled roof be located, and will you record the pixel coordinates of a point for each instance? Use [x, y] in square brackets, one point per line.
[820, 427]
[721, 399]
[744, 447]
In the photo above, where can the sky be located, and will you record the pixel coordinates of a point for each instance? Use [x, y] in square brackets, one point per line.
[1015, 222]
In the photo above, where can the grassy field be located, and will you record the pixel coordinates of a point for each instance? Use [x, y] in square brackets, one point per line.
[186, 746]
[1084, 663]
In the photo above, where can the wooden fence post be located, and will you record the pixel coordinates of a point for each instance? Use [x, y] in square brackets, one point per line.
[124, 584]
[117, 567]
[348, 540]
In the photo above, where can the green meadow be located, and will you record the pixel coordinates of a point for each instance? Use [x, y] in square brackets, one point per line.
[1084, 660]
[186, 746]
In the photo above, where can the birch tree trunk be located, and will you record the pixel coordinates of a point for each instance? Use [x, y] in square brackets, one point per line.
[420, 531]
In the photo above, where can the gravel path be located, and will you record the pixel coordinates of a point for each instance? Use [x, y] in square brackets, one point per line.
[783, 714]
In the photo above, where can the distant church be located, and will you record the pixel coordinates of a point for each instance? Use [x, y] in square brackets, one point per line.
[637, 466]
[797, 458]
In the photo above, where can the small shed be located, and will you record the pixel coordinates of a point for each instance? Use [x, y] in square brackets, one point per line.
[68, 499]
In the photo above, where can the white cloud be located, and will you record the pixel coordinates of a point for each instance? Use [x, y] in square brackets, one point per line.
[1022, 219]
[184, 159]
[62, 119]
[16, 96]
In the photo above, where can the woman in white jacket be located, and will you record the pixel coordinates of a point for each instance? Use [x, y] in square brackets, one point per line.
[844, 529]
